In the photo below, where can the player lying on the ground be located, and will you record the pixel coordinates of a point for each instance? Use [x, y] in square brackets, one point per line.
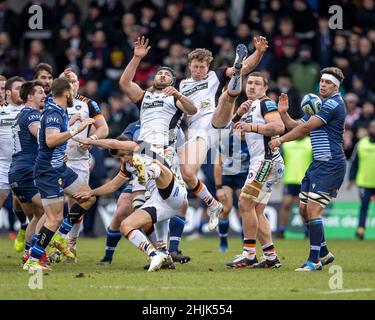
[168, 192]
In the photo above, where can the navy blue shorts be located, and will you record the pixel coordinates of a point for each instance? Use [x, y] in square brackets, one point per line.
[292, 189]
[25, 190]
[234, 181]
[51, 183]
[325, 177]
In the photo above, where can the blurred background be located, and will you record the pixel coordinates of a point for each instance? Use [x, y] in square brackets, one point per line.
[96, 38]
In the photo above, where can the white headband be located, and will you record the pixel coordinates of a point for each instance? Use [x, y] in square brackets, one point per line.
[331, 78]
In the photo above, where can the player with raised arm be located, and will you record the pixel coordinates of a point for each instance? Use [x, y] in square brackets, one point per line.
[327, 170]
[161, 109]
[52, 177]
[204, 87]
[259, 119]
[168, 192]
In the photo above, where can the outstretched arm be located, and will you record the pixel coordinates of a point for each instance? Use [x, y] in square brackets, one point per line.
[133, 90]
[109, 144]
[251, 62]
[103, 190]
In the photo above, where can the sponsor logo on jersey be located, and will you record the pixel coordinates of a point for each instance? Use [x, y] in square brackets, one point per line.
[78, 107]
[153, 104]
[199, 87]
[6, 122]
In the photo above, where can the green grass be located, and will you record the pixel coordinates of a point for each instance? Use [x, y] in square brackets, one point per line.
[205, 277]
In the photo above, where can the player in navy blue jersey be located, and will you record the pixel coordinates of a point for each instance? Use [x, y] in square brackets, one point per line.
[25, 150]
[231, 169]
[52, 177]
[326, 173]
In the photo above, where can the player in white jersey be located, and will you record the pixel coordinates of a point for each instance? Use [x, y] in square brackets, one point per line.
[167, 190]
[161, 107]
[9, 111]
[78, 156]
[204, 87]
[260, 121]
[44, 74]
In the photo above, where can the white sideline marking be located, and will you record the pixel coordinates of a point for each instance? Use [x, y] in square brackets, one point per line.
[348, 291]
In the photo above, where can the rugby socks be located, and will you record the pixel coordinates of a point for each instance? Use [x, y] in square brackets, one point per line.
[151, 235]
[113, 237]
[75, 215]
[27, 246]
[249, 246]
[74, 234]
[323, 246]
[223, 232]
[176, 227]
[65, 227]
[202, 192]
[21, 217]
[44, 237]
[153, 171]
[316, 236]
[269, 251]
[138, 239]
[235, 85]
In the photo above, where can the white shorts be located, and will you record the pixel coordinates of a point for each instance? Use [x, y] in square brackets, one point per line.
[136, 186]
[262, 176]
[203, 128]
[80, 167]
[162, 209]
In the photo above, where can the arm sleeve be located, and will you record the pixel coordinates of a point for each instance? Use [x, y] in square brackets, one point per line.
[267, 106]
[305, 118]
[54, 121]
[94, 109]
[32, 118]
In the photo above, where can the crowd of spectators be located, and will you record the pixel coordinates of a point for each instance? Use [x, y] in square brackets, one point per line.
[98, 43]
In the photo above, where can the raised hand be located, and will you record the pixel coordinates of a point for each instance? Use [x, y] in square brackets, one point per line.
[261, 44]
[141, 47]
[244, 107]
[283, 104]
[75, 118]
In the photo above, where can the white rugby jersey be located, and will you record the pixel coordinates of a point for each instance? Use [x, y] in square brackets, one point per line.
[87, 108]
[258, 143]
[204, 93]
[159, 118]
[8, 114]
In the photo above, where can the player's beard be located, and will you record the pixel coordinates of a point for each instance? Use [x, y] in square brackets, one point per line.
[160, 86]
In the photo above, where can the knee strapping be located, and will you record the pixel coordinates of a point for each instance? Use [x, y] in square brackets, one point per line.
[251, 190]
[319, 198]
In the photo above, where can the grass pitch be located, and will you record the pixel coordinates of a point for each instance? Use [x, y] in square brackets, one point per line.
[205, 277]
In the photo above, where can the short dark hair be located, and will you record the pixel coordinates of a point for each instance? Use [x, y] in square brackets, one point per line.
[28, 88]
[59, 86]
[10, 81]
[336, 72]
[260, 75]
[42, 67]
